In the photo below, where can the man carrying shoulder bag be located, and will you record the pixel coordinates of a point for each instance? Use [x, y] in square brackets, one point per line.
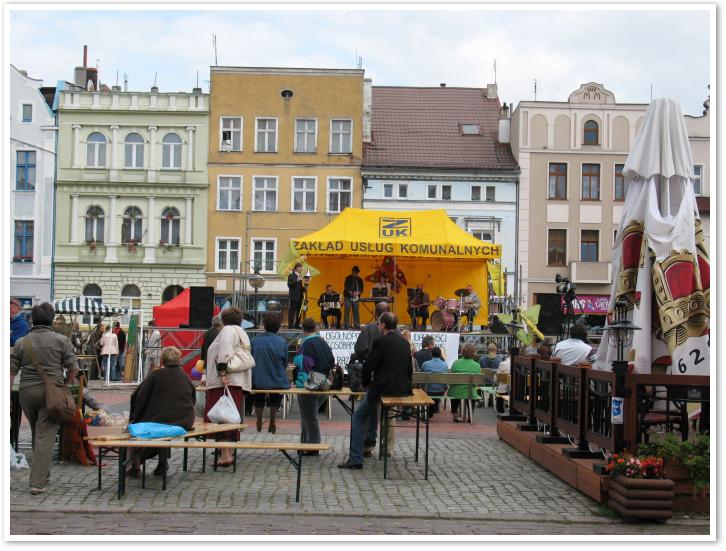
[42, 354]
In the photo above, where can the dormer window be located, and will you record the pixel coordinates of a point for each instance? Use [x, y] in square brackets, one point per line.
[470, 129]
[591, 135]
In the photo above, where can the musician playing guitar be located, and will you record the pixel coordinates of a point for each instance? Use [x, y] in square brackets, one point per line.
[352, 291]
[329, 303]
[419, 307]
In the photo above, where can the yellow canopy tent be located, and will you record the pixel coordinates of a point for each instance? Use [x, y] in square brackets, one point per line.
[416, 246]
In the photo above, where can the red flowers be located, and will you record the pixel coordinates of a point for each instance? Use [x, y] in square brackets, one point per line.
[630, 466]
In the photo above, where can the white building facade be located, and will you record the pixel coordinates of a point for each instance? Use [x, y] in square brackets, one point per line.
[33, 135]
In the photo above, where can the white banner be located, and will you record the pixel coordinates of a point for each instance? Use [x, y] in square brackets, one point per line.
[342, 343]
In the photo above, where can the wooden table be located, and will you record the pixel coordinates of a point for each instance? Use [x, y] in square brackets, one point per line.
[391, 407]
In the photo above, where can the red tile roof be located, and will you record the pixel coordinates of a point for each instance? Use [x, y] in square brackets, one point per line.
[420, 128]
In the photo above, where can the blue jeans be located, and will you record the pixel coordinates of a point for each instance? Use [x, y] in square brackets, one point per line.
[108, 361]
[364, 426]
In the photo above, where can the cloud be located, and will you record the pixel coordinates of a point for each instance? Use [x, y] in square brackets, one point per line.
[624, 50]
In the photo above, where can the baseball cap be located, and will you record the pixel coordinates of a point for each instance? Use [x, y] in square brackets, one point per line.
[16, 302]
[356, 269]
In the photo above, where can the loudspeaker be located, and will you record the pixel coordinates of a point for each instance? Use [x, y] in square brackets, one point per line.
[201, 307]
[497, 326]
[550, 315]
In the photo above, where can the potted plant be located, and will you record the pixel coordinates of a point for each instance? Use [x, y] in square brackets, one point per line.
[167, 246]
[92, 245]
[637, 488]
[131, 245]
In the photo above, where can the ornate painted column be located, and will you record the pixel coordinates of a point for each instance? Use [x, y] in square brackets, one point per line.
[114, 153]
[188, 221]
[190, 147]
[74, 218]
[152, 154]
[112, 242]
[150, 244]
[76, 146]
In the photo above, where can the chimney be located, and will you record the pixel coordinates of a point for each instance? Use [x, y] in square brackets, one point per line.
[85, 55]
[443, 85]
[505, 123]
[491, 91]
[367, 109]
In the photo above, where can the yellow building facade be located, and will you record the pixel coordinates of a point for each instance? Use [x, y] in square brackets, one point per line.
[285, 153]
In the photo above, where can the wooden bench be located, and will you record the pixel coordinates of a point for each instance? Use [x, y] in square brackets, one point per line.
[391, 406]
[284, 447]
[473, 380]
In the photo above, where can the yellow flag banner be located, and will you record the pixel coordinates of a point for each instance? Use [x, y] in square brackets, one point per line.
[497, 277]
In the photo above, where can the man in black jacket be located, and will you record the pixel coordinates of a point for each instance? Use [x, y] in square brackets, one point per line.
[352, 291]
[369, 332]
[295, 293]
[389, 364]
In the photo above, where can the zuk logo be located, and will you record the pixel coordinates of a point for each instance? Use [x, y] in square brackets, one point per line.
[395, 227]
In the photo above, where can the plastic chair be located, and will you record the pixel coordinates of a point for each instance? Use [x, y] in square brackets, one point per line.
[489, 389]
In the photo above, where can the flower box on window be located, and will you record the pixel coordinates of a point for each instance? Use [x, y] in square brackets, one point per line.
[22, 258]
[131, 246]
[167, 246]
[93, 245]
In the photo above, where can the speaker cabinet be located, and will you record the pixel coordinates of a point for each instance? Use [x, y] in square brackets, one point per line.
[201, 307]
[550, 315]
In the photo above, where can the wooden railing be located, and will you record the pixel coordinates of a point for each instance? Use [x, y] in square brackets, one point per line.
[575, 401]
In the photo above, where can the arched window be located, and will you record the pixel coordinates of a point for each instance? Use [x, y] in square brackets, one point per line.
[96, 150]
[170, 292]
[171, 151]
[169, 226]
[131, 298]
[92, 291]
[131, 226]
[94, 223]
[592, 131]
[134, 151]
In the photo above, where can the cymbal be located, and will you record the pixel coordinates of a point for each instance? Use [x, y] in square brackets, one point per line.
[464, 292]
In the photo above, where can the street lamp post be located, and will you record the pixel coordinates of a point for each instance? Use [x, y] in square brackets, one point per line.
[620, 335]
[257, 281]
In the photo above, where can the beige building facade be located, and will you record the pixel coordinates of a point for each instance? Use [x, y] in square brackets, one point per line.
[285, 153]
[571, 155]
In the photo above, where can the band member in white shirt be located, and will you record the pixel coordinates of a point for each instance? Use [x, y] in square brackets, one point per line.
[470, 305]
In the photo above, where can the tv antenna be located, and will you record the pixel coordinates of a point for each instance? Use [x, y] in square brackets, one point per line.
[197, 78]
[535, 89]
[116, 78]
[358, 60]
[495, 71]
[126, 82]
[214, 44]
[155, 79]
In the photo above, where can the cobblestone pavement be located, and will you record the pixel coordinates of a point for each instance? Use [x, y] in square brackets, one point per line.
[477, 485]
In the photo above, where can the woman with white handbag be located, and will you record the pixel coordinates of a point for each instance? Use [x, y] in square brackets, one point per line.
[229, 375]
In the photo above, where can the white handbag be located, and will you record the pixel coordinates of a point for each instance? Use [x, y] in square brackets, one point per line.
[225, 410]
[242, 358]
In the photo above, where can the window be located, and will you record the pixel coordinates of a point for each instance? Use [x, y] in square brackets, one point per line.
[591, 133]
[305, 135]
[483, 236]
[227, 255]
[619, 184]
[490, 193]
[96, 150]
[266, 136]
[589, 240]
[446, 193]
[229, 193]
[590, 182]
[303, 194]
[476, 193]
[23, 251]
[557, 247]
[387, 191]
[27, 112]
[134, 151]
[265, 193]
[94, 223]
[25, 171]
[94, 292]
[130, 298]
[431, 191]
[340, 194]
[263, 254]
[231, 134]
[171, 151]
[470, 129]
[402, 191]
[558, 181]
[697, 179]
[131, 226]
[169, 226]
[171, 292]
[341, 133]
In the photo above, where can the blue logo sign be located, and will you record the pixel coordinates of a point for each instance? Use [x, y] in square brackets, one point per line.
[394, 227]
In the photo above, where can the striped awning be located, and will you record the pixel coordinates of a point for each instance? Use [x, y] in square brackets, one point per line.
[86, 305]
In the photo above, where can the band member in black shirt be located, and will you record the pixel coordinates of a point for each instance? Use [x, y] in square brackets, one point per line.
[295, 290]
[329, 303]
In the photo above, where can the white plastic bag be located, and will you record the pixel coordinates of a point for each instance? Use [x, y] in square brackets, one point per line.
[17, 460]
[225, 410]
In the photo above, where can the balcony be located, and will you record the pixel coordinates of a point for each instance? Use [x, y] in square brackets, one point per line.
[591, 272]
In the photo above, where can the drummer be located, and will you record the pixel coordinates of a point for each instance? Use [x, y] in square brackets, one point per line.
[329, 303]
[470, 304]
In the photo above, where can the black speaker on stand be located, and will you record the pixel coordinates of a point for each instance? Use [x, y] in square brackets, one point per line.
[550, 315]
[201, 307]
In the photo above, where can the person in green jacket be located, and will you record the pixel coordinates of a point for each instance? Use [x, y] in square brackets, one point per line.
[466, 364]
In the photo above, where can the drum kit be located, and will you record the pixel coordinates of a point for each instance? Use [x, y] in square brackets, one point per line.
[449, 311]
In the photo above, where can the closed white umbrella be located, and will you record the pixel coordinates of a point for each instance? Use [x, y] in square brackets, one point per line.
[659, 256]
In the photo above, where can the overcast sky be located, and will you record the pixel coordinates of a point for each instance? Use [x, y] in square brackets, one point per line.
[626, 51]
